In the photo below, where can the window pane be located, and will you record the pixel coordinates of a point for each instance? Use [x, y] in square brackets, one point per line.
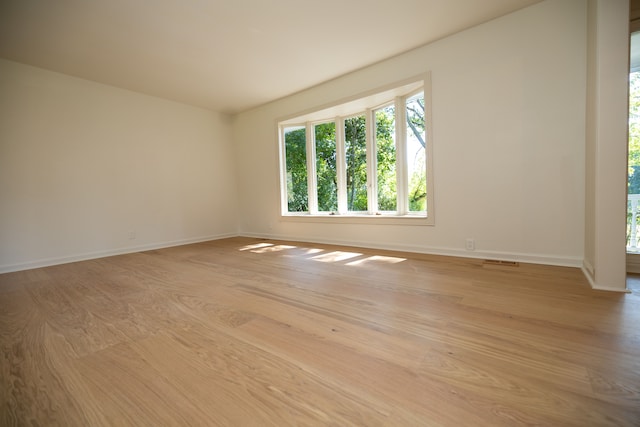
[416, 160]
[386, 159]
[295, 141]
[356, 154]
[325, 135]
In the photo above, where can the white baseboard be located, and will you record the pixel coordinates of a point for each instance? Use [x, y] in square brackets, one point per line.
[608, 289]
[492, 255]
[589, 273]
[9, 268]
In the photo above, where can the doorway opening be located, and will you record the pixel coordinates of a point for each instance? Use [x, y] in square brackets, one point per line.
[633, 165]
[633, 173]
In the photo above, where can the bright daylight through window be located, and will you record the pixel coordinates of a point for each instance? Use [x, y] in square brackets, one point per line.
[366, 158]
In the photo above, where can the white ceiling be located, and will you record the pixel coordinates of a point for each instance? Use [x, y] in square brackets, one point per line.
[226, 55]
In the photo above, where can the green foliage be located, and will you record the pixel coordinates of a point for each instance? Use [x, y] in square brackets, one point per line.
[634, 180]
[326, 172]
[415, 118]
[295, 142]
[386, 156]
[418, 178]
[418, 186]
[356, 153]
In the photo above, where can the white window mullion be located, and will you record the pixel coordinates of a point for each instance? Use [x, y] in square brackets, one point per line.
[284, 205]
[401, 156]
[372, 163]
[312, 183]
[428, 135]
[341, 166]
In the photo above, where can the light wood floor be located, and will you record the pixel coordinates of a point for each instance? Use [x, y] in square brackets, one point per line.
[247, 332]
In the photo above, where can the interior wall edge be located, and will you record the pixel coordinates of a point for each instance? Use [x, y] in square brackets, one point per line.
[48, 262]
[589, 274]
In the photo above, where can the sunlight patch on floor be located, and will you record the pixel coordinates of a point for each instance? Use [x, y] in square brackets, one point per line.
[261, 248]
[276, 248]
[313, 251]
[336, 256]
[317, 254]
[256, 246]
[377, 259]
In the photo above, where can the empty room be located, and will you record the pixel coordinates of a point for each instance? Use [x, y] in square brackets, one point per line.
[346, 213]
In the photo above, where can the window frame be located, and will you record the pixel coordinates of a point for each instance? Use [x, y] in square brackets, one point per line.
[364, 104]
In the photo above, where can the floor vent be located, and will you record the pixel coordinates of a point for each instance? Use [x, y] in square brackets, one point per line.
[501, 263]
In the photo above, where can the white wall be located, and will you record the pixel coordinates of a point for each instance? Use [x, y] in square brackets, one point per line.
[606, 142]
[509, 142]
[83, 164]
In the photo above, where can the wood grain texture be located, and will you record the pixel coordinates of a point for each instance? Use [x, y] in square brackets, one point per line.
[249, 332]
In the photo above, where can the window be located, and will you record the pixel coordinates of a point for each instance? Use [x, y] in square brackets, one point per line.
[386, 158]
[367, 159]
[355, 147]
[296, 169]
[416, 152]
[326, 173]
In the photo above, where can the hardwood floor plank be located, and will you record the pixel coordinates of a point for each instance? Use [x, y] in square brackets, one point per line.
[128, 391]
[616, 383]
[571, 403]
[386, 344]
[67, 314]
[33, 388]
[239, 384]
[364, 375]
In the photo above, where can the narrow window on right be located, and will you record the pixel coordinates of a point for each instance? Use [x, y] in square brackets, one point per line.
[416, 153]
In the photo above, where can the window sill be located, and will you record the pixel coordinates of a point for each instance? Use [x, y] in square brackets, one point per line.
[360, 219]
